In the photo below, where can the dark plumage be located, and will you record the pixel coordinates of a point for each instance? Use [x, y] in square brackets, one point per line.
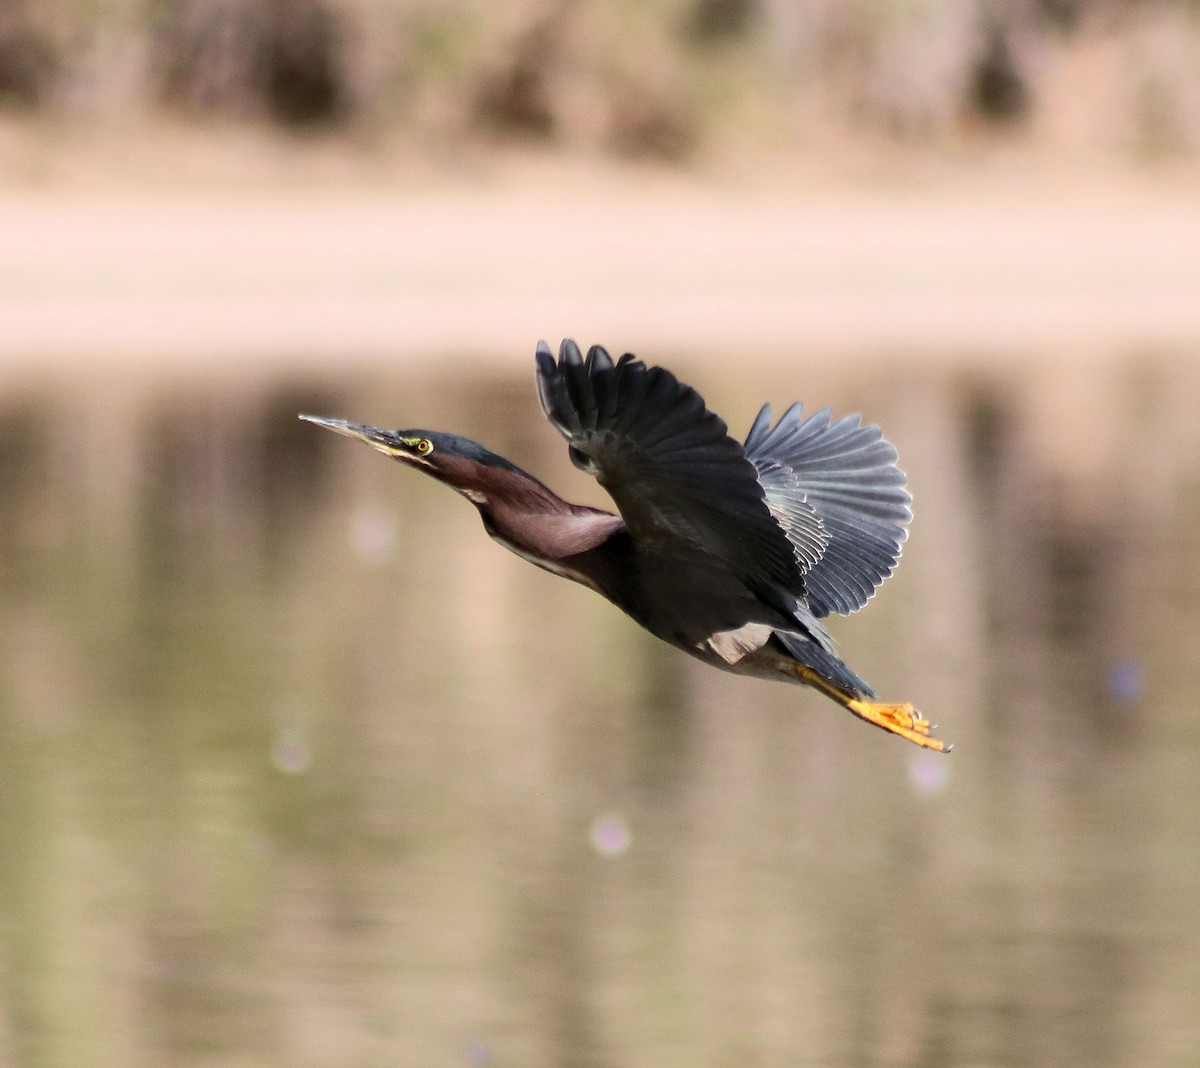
[733, 553]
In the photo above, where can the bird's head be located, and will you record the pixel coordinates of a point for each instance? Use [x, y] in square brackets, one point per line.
[476, 472]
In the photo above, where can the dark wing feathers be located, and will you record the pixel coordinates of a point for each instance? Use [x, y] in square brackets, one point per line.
[666, 460]
[847, 474]
[831, 489]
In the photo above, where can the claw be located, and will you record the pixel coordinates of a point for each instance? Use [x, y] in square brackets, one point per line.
[901, 719]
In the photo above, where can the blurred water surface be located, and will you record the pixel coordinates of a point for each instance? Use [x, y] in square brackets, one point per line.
[298, 768]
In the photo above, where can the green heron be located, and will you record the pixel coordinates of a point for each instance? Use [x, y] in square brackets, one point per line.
[731, 552]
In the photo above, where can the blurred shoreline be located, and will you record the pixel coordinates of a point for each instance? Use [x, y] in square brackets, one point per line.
[220, 247]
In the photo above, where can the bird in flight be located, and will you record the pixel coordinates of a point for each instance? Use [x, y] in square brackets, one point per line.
[733, 552]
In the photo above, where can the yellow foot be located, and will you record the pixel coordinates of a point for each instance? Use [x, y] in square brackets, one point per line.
[903, 720]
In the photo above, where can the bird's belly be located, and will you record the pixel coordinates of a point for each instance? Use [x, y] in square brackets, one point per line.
[735, 646]
[704, 610]
[748, 650]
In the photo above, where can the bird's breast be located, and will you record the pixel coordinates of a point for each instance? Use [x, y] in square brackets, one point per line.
[555, 567]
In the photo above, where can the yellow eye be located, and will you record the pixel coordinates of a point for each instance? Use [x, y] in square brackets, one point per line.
[424, 446]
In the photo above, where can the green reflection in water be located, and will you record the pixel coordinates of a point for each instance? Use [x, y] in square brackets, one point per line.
[298, 768]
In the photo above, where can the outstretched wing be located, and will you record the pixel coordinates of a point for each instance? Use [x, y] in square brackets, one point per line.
[848, 475]
[666, 460]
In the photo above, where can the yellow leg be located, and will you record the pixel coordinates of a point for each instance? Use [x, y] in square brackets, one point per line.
[901, 719]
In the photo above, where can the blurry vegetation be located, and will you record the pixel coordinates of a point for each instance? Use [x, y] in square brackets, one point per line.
[28, 56]
[282, 59]
[652, 78]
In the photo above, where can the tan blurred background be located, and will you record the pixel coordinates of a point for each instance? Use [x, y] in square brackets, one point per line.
[297, 768]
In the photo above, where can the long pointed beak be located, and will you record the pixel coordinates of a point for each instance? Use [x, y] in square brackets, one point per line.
[385, 441]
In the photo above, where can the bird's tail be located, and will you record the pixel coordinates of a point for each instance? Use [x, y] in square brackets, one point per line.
[825, 664]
